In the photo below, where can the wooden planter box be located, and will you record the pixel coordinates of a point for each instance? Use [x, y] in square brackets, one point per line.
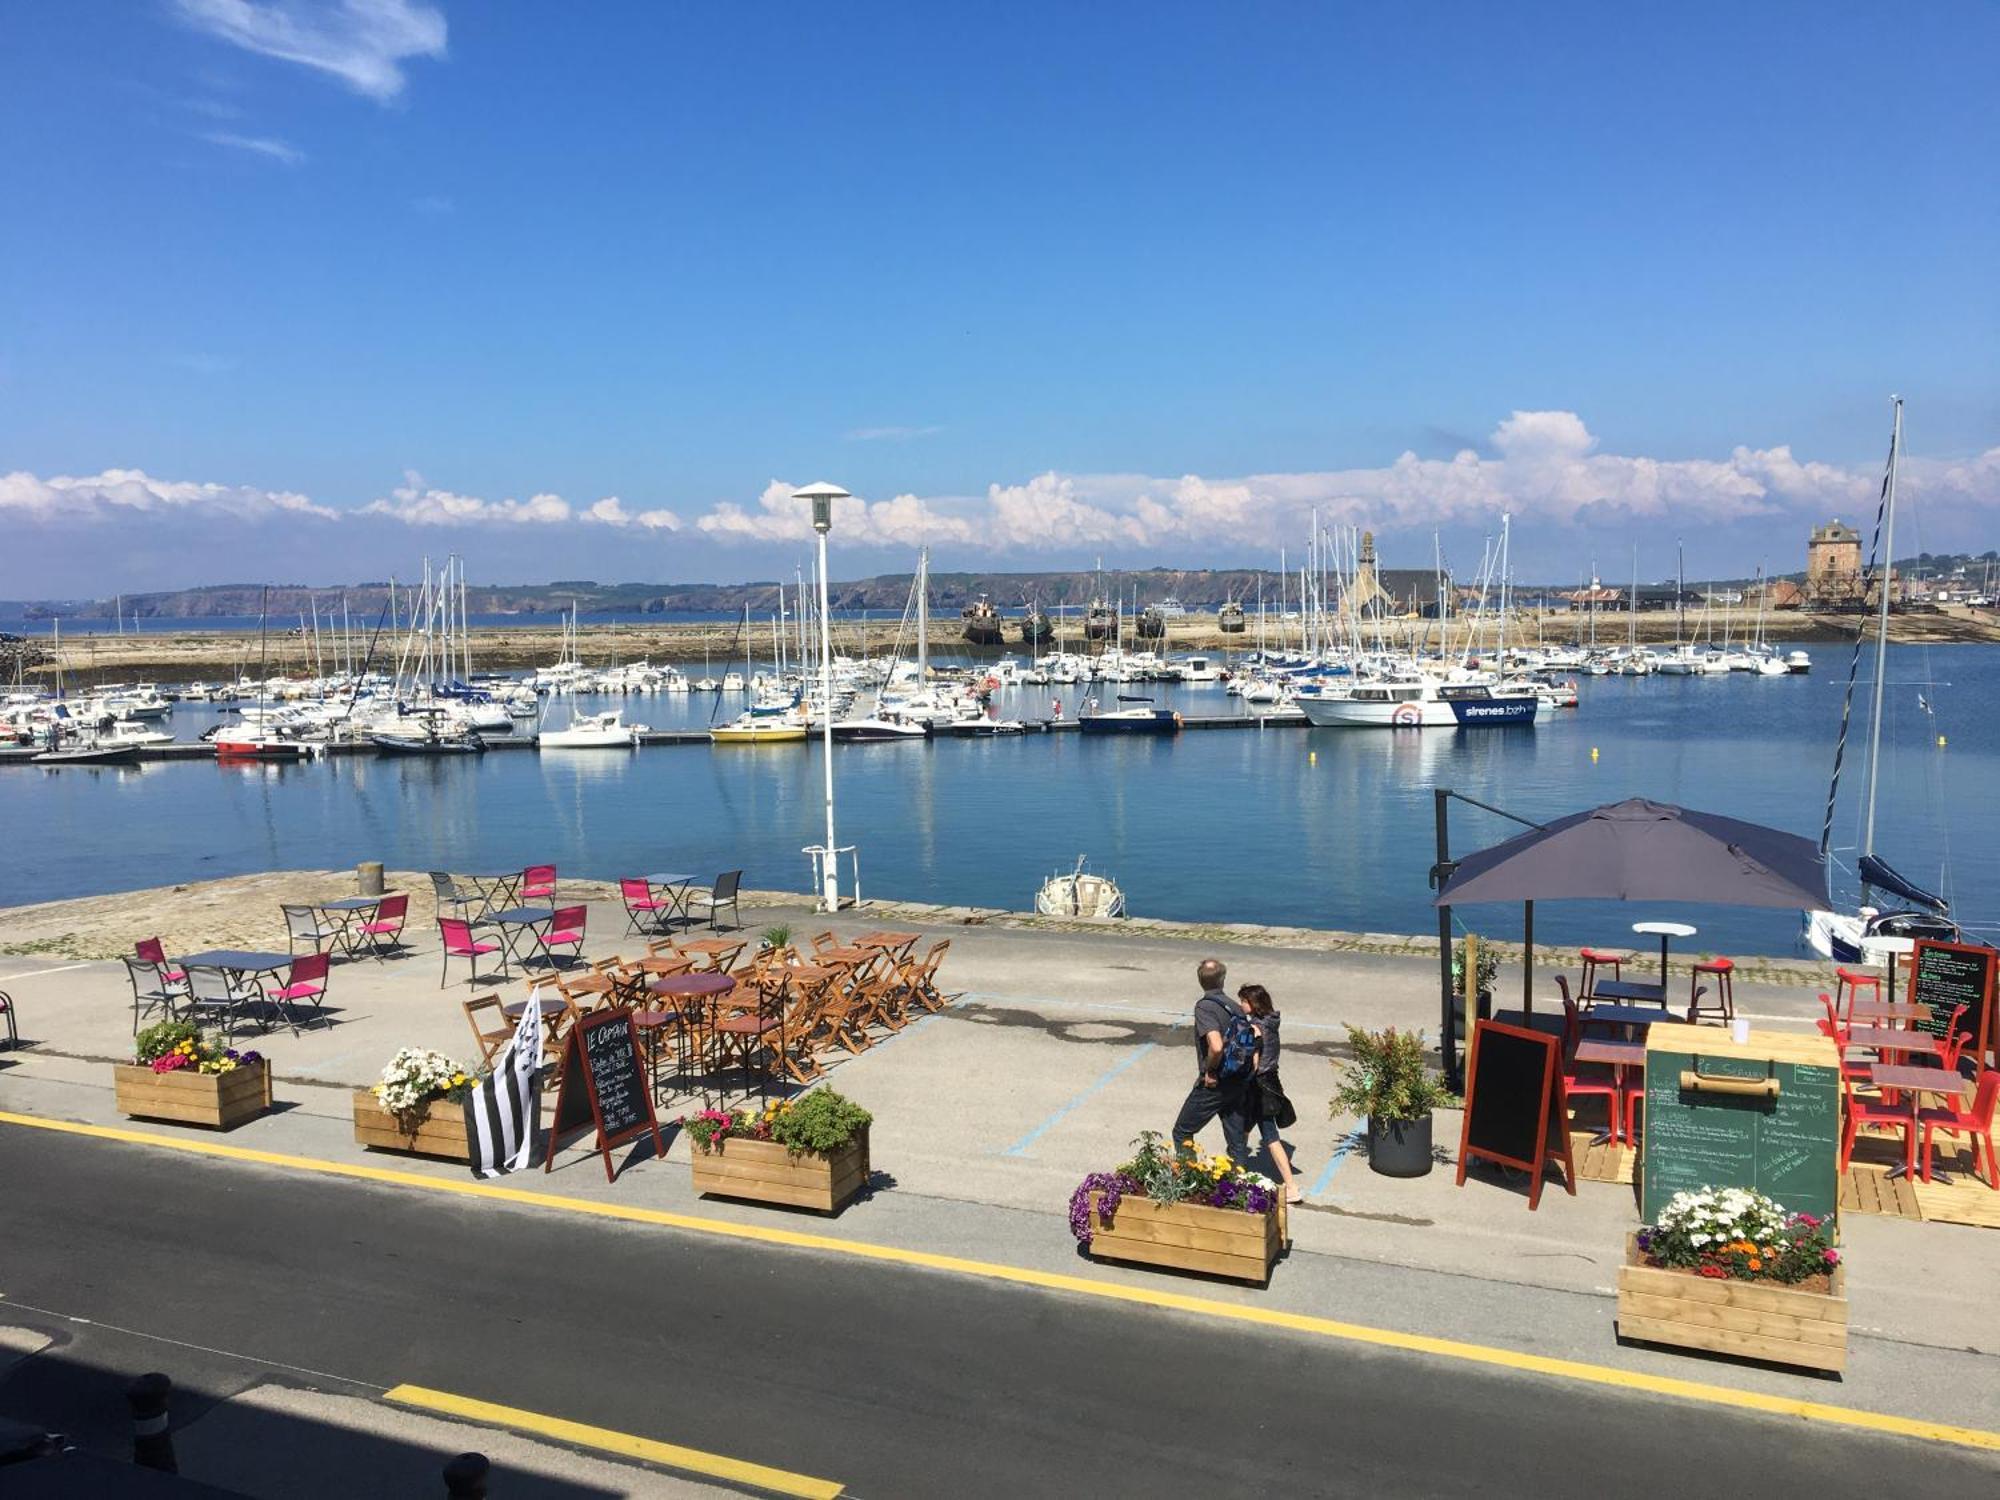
[1747, 1319]
[765, 1172]
[440, 1133]
[221, 1101]
[1190, 1237]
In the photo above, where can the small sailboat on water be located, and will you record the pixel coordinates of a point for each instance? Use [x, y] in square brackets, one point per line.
[1080, 894]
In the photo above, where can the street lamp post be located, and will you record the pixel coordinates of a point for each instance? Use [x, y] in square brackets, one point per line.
[822, 496]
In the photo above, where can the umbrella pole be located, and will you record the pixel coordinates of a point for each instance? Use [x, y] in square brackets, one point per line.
[1528, 963]
[1447, 1045]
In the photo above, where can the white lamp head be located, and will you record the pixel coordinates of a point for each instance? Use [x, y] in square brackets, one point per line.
[822, 496]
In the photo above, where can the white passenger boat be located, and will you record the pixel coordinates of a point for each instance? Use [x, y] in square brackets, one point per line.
[1420, 704]
[601, 731]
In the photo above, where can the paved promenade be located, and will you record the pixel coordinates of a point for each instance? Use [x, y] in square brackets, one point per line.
[1061, 1047]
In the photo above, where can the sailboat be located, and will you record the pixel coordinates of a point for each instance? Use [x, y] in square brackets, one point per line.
[258, 737]
[769, 720]
[599, 731]
[1839, 935]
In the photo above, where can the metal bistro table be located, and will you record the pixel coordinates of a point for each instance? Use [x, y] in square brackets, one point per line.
[237, 960]
[498, 890]
[1631, 990]
[1620, 1056]
[344, 912]
[1629, 1015]
[1664, 931]
[513, 1010]
[514, 923]
[677, 887]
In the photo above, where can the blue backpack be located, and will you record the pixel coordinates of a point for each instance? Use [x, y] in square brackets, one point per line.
[1241, 1048]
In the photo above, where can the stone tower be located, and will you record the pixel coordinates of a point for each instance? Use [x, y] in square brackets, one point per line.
[1366, 595]
[1833, 564]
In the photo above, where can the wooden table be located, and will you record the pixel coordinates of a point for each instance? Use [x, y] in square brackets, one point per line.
[854, 955]
[896, 944]
[1873, 1010]
[1916, 1082]
[714, 949]
[1888, 1039]
[1620, 1055]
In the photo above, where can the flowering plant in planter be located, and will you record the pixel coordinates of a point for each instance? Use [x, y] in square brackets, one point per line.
[1738, 1235]
[1169, 1174]
[180, 1046]
[821, 1122]
[416, 1077]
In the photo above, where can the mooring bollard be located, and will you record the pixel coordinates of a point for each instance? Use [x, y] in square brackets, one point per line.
[369, 876]
[152, 1441]
[465, 1477]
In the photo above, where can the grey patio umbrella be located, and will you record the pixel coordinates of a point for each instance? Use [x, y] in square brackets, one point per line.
[1644, 851]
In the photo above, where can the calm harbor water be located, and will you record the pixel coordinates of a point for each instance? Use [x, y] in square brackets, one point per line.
[1324, 828]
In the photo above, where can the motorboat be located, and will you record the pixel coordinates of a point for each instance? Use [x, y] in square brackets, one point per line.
[600, 731]
[1798, 661]
[1080, 895]
[428, 731]
[133, 732]
[1199, 669]
[877, 729]
[763, 724]
[88, 751]
[1421, 704]
[1141, 718]
[978, 729]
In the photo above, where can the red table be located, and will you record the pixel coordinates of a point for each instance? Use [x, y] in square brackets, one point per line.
[1916, 1082]
[1620, 1055]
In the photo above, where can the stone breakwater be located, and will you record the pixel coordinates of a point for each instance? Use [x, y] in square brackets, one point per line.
[243, 912]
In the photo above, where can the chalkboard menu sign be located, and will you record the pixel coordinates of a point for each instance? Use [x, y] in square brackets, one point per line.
[1516, 1112]
[1948, 975]
[604, 1087]
[1757, 1116]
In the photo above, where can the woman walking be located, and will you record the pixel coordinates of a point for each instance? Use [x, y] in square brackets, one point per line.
[1268, 1105]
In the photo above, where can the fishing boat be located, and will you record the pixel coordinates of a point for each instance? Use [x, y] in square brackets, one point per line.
[1141, 718]
[1420, 704]
[1079, 894]
[982, 623]
[1035, 627]
[249, 741]
[1231, 621]
[1841, 935]
[600, 731]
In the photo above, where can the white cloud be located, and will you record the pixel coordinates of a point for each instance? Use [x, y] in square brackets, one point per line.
[260, 145]
[363, 43]
[124, 493]
[418, 504]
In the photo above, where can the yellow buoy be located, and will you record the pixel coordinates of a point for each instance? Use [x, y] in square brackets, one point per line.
[1593, 755]
[1940, 742]
[1312, 756]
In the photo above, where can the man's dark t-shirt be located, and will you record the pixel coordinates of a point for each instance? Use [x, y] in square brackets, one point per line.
[1212, 1013]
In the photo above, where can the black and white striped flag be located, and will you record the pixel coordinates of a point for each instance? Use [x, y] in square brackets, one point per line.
[503, 1111]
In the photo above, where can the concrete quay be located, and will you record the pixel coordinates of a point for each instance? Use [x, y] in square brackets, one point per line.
[1060, 1047]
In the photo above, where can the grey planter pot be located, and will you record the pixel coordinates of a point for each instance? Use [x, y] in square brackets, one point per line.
[1400, 1148]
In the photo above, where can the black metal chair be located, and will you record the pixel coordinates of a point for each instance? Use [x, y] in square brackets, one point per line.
[722, 893]
[451, 901]
[151, 991]
[7, 1010]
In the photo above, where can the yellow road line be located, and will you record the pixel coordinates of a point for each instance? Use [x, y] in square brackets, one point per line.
[1355, 1333]
[624, 1444]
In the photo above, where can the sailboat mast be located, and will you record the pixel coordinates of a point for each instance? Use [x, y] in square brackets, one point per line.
[1882, 635]
[923, 615]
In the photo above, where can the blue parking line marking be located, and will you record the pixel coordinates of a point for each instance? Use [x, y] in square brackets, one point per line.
[1020, 1147]
[1333, 1163]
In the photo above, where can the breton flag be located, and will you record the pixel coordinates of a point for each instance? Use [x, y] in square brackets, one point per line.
[503, 1111]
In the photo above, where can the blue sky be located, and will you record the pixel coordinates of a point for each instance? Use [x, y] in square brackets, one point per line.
[304, 291]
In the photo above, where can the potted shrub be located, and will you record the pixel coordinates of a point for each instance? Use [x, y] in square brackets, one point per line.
[1179, 1208]
[1728, 1271]
[179, 1074]
[415, 1108]
[779, 936]
[808, 1152]
[1390, 1084]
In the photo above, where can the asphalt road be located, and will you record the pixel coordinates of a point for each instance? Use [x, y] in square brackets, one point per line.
[899, 1382]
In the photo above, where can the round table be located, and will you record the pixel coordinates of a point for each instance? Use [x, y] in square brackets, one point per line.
[700, 988]
[1663, 931]
[514, 1009]
[1887, 952]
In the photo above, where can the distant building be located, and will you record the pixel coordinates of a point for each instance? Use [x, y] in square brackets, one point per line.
[1367, 596]
[1833, 567]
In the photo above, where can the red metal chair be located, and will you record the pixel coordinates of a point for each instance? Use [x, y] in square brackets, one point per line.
[538, 883]
[390, 915]
[1976, 1122]
[565, 934]
[1593, 1078]
[1721, 974]
[642, 907]
[460, 943]
[305, 980]
[1593, 960]
[1862, 1112]
[151, 950]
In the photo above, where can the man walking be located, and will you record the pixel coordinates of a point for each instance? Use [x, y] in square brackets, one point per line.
[1213, 1094]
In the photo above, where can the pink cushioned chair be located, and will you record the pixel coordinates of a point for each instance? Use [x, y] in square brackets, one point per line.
[460, 943]
[304, 981]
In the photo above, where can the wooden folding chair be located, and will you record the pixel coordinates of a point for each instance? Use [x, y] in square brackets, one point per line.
[822, 941]
[491, 1029]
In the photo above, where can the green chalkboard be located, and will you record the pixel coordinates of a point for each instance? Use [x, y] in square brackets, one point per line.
[1787, 1147]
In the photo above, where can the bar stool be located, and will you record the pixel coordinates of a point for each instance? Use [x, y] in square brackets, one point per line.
[1847, 989]
[1593, 960]
[1721, 973]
